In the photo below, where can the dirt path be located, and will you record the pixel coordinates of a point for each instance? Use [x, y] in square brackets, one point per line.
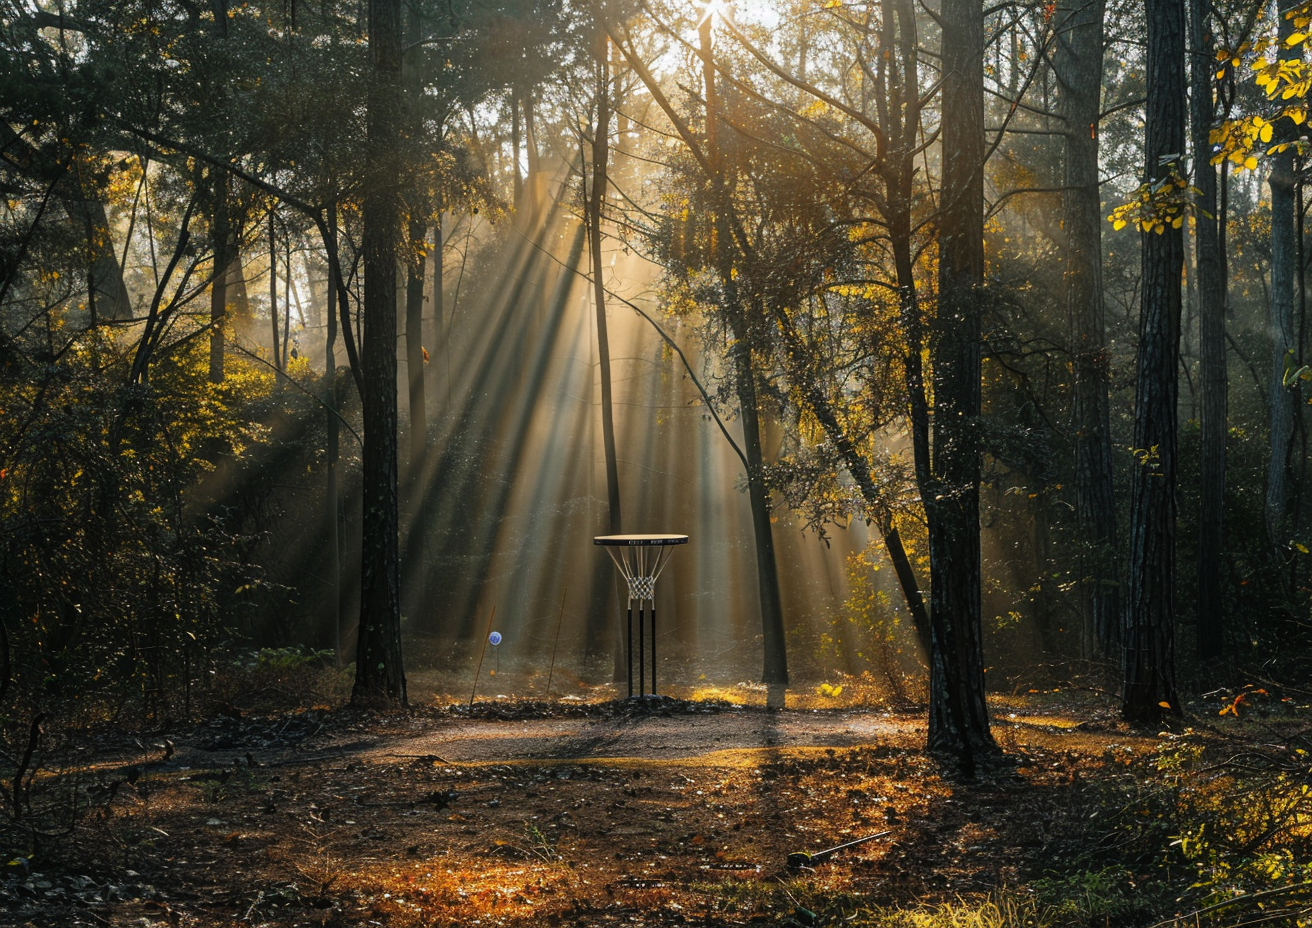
[684, 738]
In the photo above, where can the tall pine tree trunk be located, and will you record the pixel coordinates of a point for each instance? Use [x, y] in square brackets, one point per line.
[958, 716]
[1280, 322]
[1150, 609]
[331, 518]
[416, 266]
[379, 676]
[1211, 338]
[1078, 61]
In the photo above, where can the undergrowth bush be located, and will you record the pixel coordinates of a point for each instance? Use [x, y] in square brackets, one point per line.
[275, 679]
[1213, 829]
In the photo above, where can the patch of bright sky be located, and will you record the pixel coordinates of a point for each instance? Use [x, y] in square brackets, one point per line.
[767, 14]
[748, 12]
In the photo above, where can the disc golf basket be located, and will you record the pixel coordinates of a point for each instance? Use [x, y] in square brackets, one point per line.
[640, 560]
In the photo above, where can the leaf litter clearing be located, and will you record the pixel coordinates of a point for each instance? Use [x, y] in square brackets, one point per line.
[526, 813]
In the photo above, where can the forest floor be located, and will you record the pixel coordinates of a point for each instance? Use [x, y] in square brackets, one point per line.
[531, 813]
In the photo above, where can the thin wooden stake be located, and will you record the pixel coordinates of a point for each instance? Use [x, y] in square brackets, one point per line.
[480, 656]
[559, 617]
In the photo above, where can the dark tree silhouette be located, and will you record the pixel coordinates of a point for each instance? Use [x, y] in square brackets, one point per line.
[958, 716]
[379, 676]
[1150, 609]
[1078, 63]
[1211, 335]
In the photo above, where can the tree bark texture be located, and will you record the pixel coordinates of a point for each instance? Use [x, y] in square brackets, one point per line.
[1280, 324]
[1211, 339]
[958, 716]
[1150, 608]
[1078, 61]
[379, 675]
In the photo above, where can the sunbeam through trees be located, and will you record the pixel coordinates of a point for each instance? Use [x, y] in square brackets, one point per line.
[966, 343]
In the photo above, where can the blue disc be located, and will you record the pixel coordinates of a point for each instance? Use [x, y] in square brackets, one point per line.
[494, 638]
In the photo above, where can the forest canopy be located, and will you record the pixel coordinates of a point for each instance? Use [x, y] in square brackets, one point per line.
[971, 339]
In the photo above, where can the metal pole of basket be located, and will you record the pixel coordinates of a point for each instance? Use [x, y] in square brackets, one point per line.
[640, 566]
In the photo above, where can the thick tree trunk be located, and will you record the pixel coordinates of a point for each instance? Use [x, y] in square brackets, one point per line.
[958, 716]
[1150, 613]
[1078, 63]
[1284, 340]
[379, 675]
[107, 293]
[107, 296]
[1211, 339]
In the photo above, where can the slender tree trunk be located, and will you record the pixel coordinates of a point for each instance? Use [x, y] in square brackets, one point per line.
[596, 205]
[219, 235]
[438, 335]
[958, 716]
[600, 616]
[379, 675]
[1211, 339]
[1284, 343]
[332, 520]
[877, 506]
[1078, 63]
[287, 295]
[518, 188]
[898, 101]
[416, 578]
[775, 670]
[273, 302]
[1150, 608]
[418, 257]
[417, 270]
